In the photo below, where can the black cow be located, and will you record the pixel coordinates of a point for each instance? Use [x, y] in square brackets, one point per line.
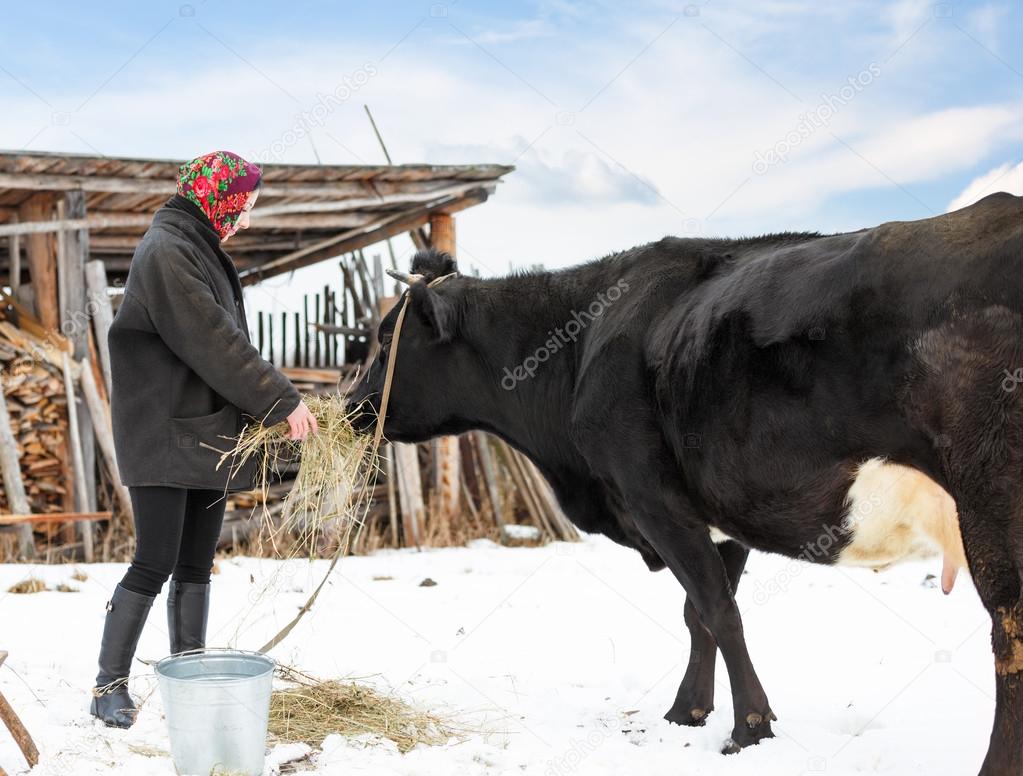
[694, 398]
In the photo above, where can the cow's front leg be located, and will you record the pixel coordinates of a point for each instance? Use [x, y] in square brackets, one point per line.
[695, 697]
[686, 548]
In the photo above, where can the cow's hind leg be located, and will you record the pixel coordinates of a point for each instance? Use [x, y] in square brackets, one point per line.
[695, 697]
[964, 396]
[993, 552]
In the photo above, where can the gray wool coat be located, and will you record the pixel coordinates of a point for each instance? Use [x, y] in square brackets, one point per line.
[184, 373]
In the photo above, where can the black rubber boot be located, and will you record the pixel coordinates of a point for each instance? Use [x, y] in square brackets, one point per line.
[126, 615]
[188, 607]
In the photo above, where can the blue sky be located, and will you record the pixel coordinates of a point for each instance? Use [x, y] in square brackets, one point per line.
[626, 121]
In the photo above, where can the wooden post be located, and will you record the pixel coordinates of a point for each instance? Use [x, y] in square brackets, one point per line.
[72, 254]
[306, 362]
[101, 312]
[489, 472]
[410, 491]
[328, 317]
[104, 435]
[15, 263]
[42, 264]
[449, 475]
[18, 731]
[270, 335]
[77, 460]
[378, 275]
[392, 494]
[284, 339]
[14, 486]
[317, 361]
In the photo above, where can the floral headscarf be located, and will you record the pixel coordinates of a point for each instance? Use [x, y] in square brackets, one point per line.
[220, 184]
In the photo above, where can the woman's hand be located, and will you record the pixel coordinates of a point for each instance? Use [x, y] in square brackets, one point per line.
[301, 422]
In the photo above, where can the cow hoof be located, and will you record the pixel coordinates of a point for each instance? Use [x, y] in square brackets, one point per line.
[756, 728]
[694, 717]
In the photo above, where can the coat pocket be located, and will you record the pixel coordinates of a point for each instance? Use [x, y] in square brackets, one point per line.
[197, 445]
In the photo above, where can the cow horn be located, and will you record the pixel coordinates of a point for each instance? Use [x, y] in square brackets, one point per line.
[401, 277]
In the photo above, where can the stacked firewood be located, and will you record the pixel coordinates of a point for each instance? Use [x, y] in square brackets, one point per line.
[37, 405]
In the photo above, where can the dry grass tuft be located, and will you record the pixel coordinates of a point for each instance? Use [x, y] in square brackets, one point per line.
[148, 751]
[28, 585]
[313, 709]
[64, 587]
[329, 497]
[79, 576]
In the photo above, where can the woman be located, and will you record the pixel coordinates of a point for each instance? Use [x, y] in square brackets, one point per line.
[183, 373]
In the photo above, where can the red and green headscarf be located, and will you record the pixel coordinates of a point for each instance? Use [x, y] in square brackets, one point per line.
[220, 184]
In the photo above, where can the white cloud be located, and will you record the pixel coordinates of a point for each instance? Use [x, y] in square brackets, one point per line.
[987, 23]
[523, 29]
[666, 148]
[905, 17]
[1007, 177]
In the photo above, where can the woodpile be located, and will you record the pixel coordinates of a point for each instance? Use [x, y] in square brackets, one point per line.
[37, 406]
[40, 441]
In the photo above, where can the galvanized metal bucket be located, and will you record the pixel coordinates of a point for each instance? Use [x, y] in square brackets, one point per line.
[217, 703]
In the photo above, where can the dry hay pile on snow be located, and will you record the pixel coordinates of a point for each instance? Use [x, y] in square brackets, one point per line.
[312, 709]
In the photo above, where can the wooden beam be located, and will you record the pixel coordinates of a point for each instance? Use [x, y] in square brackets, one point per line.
[356, 203]
[42, 261]
[74, 320]
[14, 486]
[128, 242]
[123, 220]
[101, 313]
[377, 231]
[166, 186]
[53, 517]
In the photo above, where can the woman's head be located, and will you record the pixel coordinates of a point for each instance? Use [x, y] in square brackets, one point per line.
[225, 186]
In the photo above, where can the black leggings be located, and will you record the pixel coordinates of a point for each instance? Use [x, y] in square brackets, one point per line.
[176, 531]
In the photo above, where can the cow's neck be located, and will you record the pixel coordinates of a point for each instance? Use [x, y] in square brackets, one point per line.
[528, 401]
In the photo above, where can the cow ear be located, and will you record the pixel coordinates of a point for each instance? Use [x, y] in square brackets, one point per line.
[437, 312]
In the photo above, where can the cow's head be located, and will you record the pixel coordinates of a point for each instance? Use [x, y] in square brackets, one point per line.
[435, 366]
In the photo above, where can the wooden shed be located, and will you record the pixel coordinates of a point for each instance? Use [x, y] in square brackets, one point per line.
[69, 225]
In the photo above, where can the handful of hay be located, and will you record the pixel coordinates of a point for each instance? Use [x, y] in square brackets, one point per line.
[311, 710]
[329, 497]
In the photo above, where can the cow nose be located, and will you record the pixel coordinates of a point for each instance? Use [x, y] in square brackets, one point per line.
[361, 412]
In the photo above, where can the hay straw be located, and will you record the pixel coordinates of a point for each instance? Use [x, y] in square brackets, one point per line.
[312, 709]
[28, 585]
[329, 497]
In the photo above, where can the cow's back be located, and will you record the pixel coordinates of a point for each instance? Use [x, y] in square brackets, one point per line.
[789, 365]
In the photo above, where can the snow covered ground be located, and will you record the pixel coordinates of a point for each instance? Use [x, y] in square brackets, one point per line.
[565, 657]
